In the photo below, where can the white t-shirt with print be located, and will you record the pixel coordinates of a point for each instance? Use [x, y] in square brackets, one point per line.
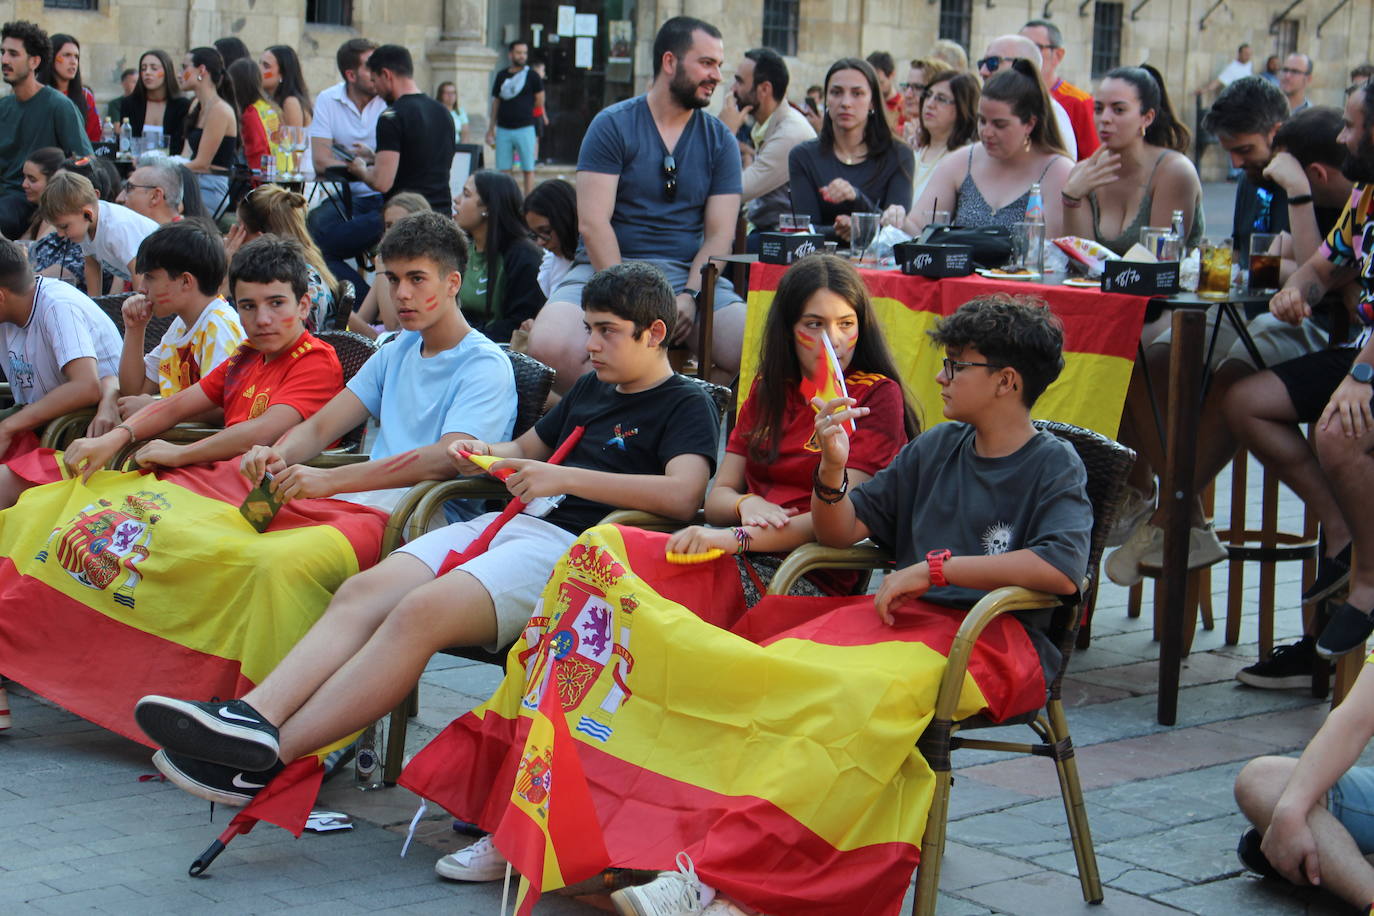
[185, 355]
[118, 233]
[64, 325]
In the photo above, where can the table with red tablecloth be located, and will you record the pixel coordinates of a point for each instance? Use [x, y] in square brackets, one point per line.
[1101, 334]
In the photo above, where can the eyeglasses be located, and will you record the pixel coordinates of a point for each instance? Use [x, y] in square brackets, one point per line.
[669, 178]
[912, 87]
[1293, 72]
[939, 98]
[952, 366]
[992, 62]
[129, 186]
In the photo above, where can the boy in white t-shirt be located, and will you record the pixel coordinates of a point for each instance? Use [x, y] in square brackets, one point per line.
[183, 265]
[108, 233]
[55, 344]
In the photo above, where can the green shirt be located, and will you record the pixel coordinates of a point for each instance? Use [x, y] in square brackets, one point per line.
[47, 119]
[472, 296]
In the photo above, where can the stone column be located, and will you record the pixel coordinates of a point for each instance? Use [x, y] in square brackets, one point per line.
[462, 55]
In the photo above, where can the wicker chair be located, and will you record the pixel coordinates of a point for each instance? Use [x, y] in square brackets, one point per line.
[113, 307]
[425, 502]
[1107, 464]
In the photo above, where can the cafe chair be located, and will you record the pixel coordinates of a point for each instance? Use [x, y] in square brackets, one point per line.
[1107, 463]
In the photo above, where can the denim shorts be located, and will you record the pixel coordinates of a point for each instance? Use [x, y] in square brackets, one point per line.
[512, 140]
[1351, 801]
[569, 288]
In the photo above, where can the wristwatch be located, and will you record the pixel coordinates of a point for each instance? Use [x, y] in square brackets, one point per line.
[936, 561]
[1362, 373]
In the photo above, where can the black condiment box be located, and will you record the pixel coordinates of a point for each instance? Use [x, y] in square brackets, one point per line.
[788, 247]
[1140, 278]
[921, 260]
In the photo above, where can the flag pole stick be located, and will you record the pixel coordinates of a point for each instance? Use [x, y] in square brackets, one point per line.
[505, 890]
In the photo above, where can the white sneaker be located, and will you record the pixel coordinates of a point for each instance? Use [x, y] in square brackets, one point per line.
[5, 720]
[1136, 508]
[481, 861]
[1204, 549]
[1123, 566]
[670, 894]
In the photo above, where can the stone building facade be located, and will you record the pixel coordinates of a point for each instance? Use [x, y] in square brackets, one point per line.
[1188, 40]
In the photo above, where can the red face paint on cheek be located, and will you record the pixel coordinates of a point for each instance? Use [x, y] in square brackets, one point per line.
[806, 340]
[431, 303]
[163, 299]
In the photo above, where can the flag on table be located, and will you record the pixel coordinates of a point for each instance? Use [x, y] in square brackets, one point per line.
[1101, 335]
[140, 583]
[827, 380]
[778, 754]
[549, 832]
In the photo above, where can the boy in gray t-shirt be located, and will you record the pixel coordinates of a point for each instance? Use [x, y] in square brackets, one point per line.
[979, 503]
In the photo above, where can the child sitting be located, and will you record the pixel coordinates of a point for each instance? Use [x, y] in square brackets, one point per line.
[109, 234]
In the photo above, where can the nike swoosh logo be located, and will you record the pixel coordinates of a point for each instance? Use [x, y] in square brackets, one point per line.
[226, 714]
[239, 782]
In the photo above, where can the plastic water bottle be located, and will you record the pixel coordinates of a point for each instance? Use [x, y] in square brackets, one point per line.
[107, 131]
[126, 140]
[1035, 241]
[368, 762]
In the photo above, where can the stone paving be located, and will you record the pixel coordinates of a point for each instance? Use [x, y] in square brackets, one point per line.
[81, 832]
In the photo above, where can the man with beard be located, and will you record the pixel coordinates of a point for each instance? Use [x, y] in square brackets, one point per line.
[760, 91]
[346, 118]
[414, 135]
[1244, 119]
[515, 97]
[31, 117]
[1331, 387]
[658, 180]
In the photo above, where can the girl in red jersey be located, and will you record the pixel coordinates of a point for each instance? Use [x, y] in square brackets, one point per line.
[765, 479]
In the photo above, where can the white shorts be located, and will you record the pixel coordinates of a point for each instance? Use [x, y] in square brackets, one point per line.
[513, 570]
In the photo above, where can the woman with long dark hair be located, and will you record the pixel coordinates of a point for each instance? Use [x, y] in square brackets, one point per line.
[551, 216]
[855, 165]
[765, 479]
[231, 48]
[63, 73]
[447, 95]
[1140, 174]
[500, 290]
[284, 85]
[157, 107]
[1019, 145]
[212, 124]
[247, 83]
[948, 121]
[273, 210]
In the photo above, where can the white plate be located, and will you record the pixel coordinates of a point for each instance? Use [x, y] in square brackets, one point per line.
[996, 275]
[1083, 283]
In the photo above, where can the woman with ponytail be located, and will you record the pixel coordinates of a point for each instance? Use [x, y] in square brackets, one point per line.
[156, 107]
[273, 210]
[255, 113]
[1139, 175]
[212, 125]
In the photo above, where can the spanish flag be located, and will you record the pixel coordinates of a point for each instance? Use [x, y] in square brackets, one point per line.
[140, 583]
[775, 747]
[827, 382]
[1101, 336]
[549, 831]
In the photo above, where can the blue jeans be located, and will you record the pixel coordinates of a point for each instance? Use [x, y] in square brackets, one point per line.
[340, 238]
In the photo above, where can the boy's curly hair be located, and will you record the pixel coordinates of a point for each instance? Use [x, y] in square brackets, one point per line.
[1015, 331]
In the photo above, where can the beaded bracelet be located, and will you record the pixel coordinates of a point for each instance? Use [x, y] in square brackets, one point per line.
[1073, 203]
[744, 540]
[829, 495]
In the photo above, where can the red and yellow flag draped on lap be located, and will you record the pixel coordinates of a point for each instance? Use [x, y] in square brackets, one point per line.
[779, 753]
[1101, 334]
[139, 583]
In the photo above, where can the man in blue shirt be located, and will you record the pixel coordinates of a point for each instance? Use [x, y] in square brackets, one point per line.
[658, 180]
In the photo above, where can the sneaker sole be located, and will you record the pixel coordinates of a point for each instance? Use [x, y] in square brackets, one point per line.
[456, 872]
[185, 728]
[626, 903]
[1329, 654]
[1291, 682]
[186, 784]
[1327, 592]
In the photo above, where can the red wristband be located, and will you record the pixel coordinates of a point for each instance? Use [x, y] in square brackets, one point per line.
[936, 561]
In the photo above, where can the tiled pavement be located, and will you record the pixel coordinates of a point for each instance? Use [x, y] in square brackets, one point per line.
[79, 831]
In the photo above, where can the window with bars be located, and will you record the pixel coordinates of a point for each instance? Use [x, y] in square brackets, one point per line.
[71, 4]
[1285, 37]
[1106, 38]
[329, 12]
[780, 22]
[956, 21]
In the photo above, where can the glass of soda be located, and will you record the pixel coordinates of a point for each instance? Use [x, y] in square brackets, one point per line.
[1264, 262]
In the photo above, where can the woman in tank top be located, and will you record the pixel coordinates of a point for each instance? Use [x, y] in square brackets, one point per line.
[1019, 145]
[1139, 176]
[212, 125]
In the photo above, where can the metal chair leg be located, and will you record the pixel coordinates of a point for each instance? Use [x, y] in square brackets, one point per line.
[1071, 790]
[932, 848]
[396, 737]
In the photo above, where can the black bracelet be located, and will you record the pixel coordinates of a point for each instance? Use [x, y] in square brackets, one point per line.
[829, 495]
[1299, 200]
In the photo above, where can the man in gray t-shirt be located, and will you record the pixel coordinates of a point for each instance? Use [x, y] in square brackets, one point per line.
[658, 180]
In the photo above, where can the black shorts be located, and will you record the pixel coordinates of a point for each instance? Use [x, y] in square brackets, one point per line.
[1312, 379]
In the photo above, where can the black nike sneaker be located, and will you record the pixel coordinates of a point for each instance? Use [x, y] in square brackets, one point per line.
[230, 732]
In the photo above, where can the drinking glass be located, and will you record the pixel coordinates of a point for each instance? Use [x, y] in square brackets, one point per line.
[794, 222]
[863, 229]
[1152, 239]
[1264, 262]
[1214, 274]
[1028, 247]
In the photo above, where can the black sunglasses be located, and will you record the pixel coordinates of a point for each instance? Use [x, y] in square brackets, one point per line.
[990, 63]
[669, 178]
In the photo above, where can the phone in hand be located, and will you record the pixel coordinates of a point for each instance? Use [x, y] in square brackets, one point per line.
[261, 505]
[342, 152]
